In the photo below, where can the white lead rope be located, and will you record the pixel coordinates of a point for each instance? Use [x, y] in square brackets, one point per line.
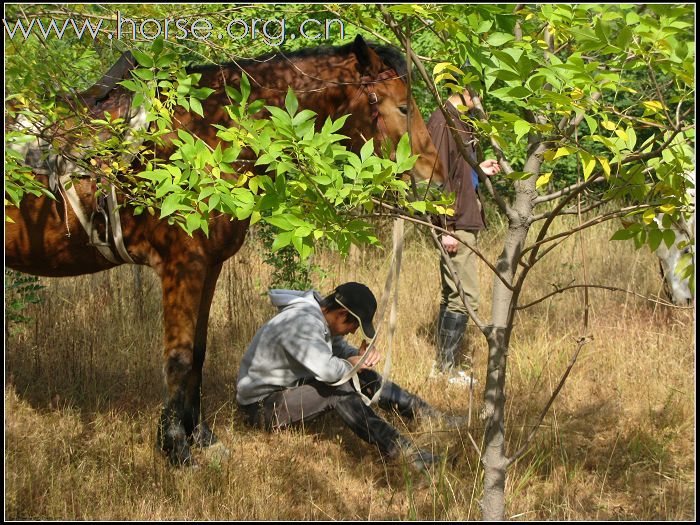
[394, 272]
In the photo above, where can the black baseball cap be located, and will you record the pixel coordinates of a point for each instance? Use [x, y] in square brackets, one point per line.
[359, 300]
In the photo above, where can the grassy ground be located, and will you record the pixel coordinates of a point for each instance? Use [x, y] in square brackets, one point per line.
[84, 390]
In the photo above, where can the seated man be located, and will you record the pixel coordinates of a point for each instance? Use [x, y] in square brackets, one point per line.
[288, 371]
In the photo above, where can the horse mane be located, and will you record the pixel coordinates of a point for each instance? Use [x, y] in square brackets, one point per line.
[390, 55]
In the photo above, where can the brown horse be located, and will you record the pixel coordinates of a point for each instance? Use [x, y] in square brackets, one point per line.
[357, 79]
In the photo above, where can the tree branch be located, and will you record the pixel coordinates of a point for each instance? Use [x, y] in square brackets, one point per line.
[571, 211]
[398, 213]
[559, 290]
[551, 196]
[582, 341]
[592, 222]
[505, 208]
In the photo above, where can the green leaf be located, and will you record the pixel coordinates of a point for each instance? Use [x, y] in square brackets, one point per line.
[193, 222]
[419, 206]
[196, 106]
[281, 240]
[245, 87]
[290, 102]
[303, 231]
[669, 237]
[129, 84]
[521, 128]
[142, 58]
[234, 94]
[631, 139]
[403, 149]
[157, 46]
[367, 150]
[592, 124]
[498, 39]
[170, 205]
[145, 74]
[165, 60]
[588, 162]
[623, 235]
[279, 221]
[654, 239]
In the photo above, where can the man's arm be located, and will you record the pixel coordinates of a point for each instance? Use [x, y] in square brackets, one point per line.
[345, 350]
[341, 348]
[306, 345]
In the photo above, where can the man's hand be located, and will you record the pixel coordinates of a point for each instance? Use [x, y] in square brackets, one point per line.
[449, 243]
[490, 167]
[372, 357]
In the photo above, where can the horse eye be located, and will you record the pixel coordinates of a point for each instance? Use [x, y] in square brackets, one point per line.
[403, 109]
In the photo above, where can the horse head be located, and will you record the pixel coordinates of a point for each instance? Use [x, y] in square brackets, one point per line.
[380, 110]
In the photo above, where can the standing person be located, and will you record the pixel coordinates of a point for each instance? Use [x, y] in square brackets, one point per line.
[464, 225]
[288, 372]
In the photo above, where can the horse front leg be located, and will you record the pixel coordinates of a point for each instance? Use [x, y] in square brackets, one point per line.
[202, 435]
[183, 285]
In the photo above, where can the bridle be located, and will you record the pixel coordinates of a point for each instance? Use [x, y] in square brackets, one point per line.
[368, 83]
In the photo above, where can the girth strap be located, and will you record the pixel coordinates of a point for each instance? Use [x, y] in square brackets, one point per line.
[115, 224]
[68, 189]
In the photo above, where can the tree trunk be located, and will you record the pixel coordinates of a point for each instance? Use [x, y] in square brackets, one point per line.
[494, 459]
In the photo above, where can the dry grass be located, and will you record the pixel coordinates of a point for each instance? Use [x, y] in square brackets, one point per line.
[83, 393]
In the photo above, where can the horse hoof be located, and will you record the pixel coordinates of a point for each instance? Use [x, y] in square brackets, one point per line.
[181, 458]
[216, 454]
[203, 437]
[176, 450]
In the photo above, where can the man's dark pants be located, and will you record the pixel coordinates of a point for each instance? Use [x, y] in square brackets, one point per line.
[313, 398]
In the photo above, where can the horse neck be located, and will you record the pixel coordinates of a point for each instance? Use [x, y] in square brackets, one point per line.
[327, 85]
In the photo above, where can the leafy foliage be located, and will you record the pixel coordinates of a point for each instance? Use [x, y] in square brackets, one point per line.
[288, 270]
[20, 291]
[624, 74]
[573, 92]
[311, 187]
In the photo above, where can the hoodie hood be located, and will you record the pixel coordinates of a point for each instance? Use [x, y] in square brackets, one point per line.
[284, 298]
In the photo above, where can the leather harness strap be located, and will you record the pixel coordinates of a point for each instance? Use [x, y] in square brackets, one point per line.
[368, 85]
[393, 276]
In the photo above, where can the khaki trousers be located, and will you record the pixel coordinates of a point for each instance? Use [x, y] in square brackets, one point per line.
[465, 263]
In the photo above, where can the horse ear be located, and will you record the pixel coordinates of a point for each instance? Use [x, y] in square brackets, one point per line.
[368, 62]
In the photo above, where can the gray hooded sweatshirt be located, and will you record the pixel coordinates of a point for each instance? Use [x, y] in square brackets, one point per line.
[295, 344]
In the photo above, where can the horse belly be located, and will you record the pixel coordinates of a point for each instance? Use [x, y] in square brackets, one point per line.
[39, 241]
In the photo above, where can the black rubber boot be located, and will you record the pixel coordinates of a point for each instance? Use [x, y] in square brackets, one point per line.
[441, 316]
[418, 459]
[393, 397]
[407, 405]
[450, 335]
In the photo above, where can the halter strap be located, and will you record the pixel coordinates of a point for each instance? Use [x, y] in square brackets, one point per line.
[368, 85]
